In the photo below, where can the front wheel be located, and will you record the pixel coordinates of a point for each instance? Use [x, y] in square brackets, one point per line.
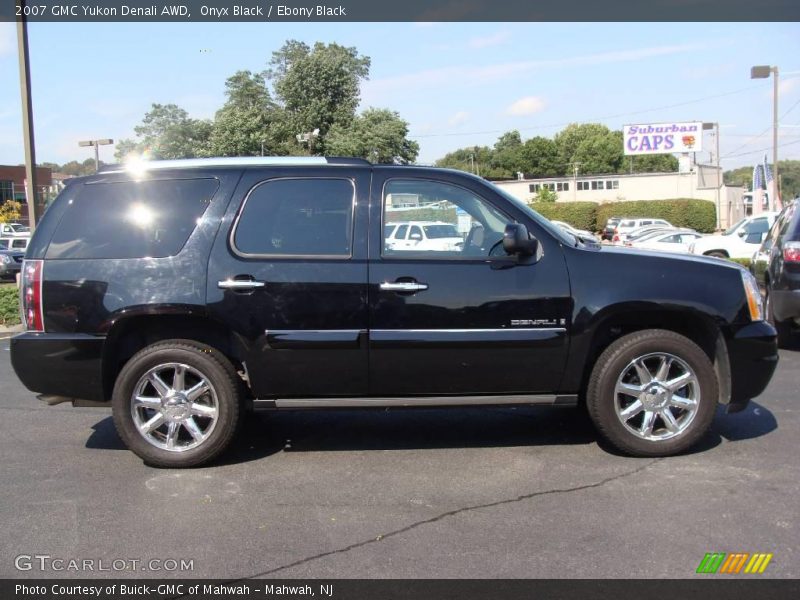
[652, 393]
[177, 403]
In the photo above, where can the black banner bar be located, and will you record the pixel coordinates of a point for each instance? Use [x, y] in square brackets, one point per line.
[716, 587]
[398, 11]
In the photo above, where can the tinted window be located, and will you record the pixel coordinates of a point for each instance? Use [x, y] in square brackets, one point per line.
[401, 232]
[297, 217]
[131, 219]
[440, 231]
[757, 226]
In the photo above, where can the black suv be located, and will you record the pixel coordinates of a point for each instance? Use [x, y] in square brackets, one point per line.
[185, 293]
[776, 265]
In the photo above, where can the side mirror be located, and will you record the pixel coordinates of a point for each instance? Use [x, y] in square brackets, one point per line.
[416, 237]
[741, 232]
[517, 241]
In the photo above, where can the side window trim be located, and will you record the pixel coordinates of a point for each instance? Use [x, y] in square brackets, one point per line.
[250, 255]
[430, 257]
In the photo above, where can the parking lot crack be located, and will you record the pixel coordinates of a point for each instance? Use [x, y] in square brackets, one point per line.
[452, 513]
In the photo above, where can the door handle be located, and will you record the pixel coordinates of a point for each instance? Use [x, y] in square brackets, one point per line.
[240, 284]
[403, 286]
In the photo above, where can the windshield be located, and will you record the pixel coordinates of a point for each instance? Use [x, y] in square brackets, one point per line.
[733, 228]
[440, 231]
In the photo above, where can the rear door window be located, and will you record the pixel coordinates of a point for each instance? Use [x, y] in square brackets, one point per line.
[297, 217]
[131, 219]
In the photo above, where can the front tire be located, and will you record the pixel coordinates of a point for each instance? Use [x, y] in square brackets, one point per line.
[652, 393]
[177, 404]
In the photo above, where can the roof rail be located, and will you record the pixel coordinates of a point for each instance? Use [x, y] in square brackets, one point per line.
[233, 161]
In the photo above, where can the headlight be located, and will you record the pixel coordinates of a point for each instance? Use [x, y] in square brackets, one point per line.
[753, 294]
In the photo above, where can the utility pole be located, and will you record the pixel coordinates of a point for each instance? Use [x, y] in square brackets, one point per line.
[575, 166]
[27, 118]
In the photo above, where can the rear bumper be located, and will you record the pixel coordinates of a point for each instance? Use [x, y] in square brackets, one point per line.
[753, 355]
[786, 304]
[10, 269]
[60, 364]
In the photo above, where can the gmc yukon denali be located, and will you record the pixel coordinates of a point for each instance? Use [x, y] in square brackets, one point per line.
[185, 294]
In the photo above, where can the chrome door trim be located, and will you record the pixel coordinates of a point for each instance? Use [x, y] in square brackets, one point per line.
[420, 401]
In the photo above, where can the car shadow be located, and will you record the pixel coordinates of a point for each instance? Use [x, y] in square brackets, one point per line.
[266, 433]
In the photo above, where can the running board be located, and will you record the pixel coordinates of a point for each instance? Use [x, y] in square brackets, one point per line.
[419, 401]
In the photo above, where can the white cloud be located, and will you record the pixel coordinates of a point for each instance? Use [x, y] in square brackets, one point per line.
[458, 118]
[494, 39]
[7, 39]
[525, 106]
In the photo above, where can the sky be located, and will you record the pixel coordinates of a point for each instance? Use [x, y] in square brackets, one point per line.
[457, 84]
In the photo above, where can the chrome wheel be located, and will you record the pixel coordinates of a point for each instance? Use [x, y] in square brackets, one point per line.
[174, 407]
[657, 396]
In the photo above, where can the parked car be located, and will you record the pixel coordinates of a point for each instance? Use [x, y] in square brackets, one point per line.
[776, 266]
[608, 230]
[582, 233]
[739, 241]
[421, 236]
[14, 243]
[667, 241]
[626, 226]
[647, 230]
[14, 230]
[188, 292]
[10, 263]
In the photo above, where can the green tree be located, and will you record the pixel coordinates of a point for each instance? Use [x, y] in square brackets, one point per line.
[167, 131]
[248, 123]
[378, 134]
[507, 155]
[600, 152]
[573, 135]
[317, 87]
[540, 158]
[545, 195]
[653, 163]
[475, 159]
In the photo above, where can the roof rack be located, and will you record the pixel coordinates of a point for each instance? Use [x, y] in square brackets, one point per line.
[234, 161]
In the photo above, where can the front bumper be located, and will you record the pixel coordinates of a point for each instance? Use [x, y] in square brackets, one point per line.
[786, 304]
[753, 356]
[60, 364]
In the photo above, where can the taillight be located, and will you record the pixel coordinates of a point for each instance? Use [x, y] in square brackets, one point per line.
[615, 238]
[791, 252]
[31, 292]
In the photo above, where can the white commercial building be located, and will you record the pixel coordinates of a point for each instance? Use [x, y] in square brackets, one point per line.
[700, 183]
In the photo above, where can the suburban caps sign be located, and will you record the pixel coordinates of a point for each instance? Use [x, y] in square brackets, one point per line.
[663, 138]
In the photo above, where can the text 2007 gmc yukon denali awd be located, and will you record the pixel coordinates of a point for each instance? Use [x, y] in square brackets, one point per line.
[186, 292]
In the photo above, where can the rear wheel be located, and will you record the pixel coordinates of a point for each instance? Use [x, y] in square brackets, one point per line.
[652, 393]
[177, 403]
[784, 328]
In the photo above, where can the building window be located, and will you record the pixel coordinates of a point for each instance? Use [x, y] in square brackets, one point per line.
[598, 185]
[583, 185]
[533, 188]
[612, 184]
[562, 186]
[6, 191]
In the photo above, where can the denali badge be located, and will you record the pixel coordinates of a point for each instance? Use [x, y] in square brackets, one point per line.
[537, 322]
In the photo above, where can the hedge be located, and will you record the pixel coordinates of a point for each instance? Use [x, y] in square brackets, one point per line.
[681, 212]
[9, 304]
[582, 215]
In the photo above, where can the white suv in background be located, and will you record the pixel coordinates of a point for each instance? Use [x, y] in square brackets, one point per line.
[740, 241]
[423, 236]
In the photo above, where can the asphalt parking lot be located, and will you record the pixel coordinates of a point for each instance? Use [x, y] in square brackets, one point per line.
[479, 493]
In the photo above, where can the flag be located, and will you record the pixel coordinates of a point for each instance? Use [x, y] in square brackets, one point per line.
[772, 187]
[757, 193]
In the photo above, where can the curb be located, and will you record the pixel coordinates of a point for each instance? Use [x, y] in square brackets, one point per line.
[9, 331]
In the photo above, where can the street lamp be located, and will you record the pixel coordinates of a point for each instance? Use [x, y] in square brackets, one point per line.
[96, 144]
[763, 72]
[718, 172]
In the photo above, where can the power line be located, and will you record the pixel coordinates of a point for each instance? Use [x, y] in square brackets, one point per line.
[627, 114]
[732, 153]
[767, 149]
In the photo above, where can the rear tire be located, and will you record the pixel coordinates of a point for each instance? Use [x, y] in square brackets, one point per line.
[784, 328]
[652, 393]
[177, 404]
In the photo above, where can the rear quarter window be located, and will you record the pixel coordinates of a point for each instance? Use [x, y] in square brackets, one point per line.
[131, 219]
